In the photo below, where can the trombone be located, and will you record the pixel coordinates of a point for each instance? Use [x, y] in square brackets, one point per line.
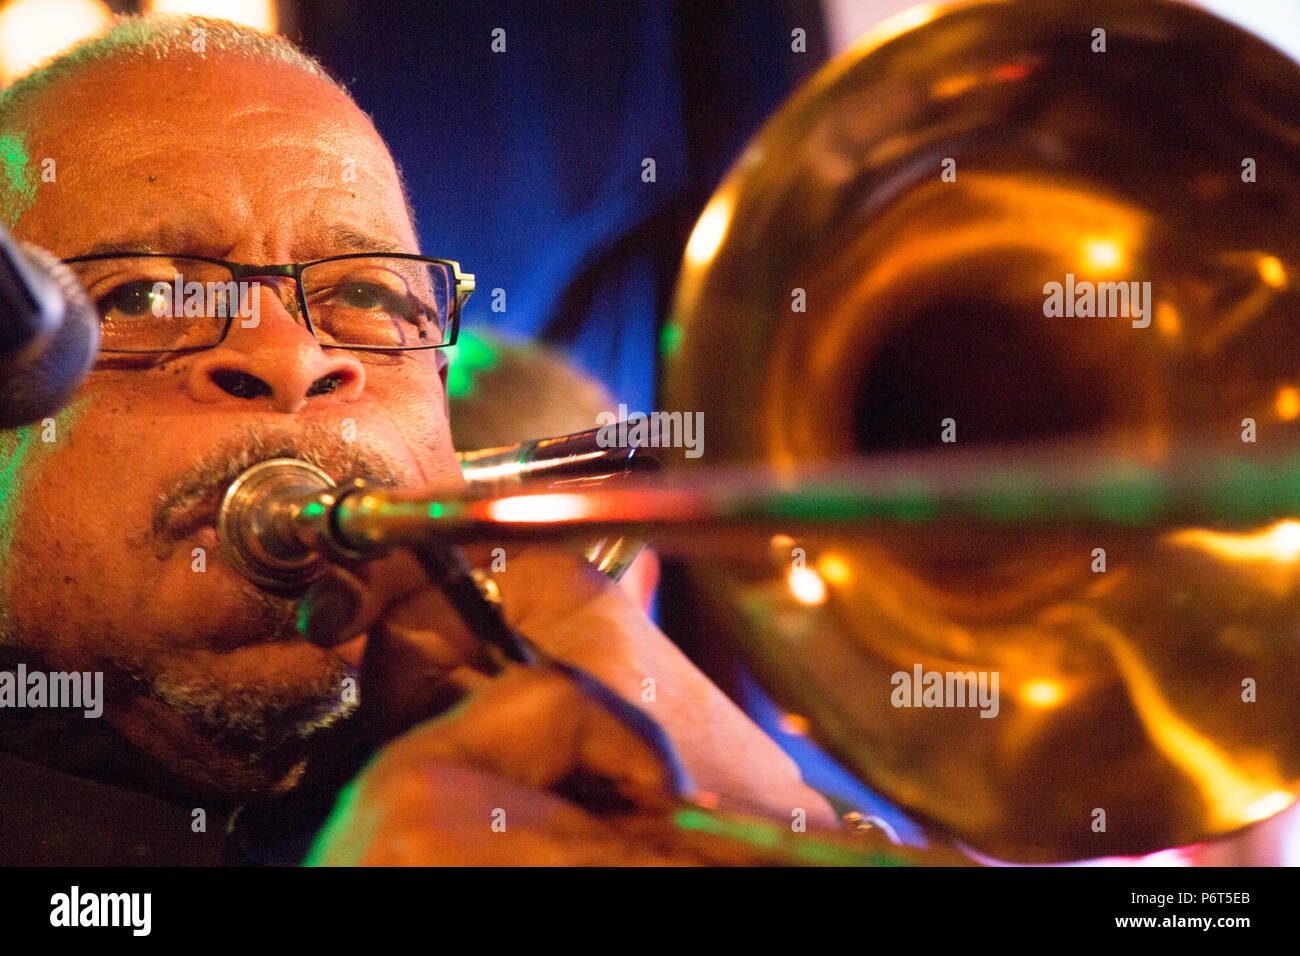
[1113, 532]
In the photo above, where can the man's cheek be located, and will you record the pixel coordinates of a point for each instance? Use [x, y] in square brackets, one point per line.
[28, 529]
[65, 564]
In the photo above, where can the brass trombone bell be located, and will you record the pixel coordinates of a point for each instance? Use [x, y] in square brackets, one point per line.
[871, 278]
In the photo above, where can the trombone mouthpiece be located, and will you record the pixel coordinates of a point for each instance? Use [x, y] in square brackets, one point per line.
[255, 524]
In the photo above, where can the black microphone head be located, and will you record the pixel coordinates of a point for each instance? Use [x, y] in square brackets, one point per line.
[38, 381]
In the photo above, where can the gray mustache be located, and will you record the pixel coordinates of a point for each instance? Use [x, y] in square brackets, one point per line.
[316, 443]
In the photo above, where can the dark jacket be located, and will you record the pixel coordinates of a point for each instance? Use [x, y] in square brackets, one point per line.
[74, 792]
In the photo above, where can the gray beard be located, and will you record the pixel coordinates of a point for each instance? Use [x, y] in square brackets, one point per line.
[254, 719]
[265, 728]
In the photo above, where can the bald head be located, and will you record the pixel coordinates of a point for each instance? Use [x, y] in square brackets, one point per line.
[159, 36]
[141, 40]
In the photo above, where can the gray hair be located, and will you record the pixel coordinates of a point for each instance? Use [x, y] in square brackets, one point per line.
[159, 36]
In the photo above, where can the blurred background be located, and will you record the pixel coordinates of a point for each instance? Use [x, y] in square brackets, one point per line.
[562, 152]
[528, 163]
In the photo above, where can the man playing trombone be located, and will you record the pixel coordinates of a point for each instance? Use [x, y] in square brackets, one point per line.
[212, 163]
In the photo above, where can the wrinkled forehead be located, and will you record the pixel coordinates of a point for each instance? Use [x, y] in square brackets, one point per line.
[214, 146]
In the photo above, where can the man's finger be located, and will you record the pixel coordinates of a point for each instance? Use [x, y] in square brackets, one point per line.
[347, 600]
[502, 730]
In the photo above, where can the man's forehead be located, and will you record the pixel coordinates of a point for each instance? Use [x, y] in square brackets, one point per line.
[189, 90]
[182, 146]
[183, 236]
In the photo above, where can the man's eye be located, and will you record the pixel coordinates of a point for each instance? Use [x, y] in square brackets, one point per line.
[131, 300]
[370, 296]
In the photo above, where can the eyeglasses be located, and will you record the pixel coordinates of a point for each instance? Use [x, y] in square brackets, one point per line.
[156, 302]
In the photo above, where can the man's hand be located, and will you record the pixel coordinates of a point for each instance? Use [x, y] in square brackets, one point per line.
[529, 769]
[419, 658]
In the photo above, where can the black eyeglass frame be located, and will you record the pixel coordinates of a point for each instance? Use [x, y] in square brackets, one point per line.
[462, 285]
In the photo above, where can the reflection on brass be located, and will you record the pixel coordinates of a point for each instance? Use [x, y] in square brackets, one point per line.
[842, 297]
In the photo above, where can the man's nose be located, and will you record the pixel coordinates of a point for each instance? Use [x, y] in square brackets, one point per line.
[269, 356]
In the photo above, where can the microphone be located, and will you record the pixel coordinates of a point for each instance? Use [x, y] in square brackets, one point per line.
[49, 333]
